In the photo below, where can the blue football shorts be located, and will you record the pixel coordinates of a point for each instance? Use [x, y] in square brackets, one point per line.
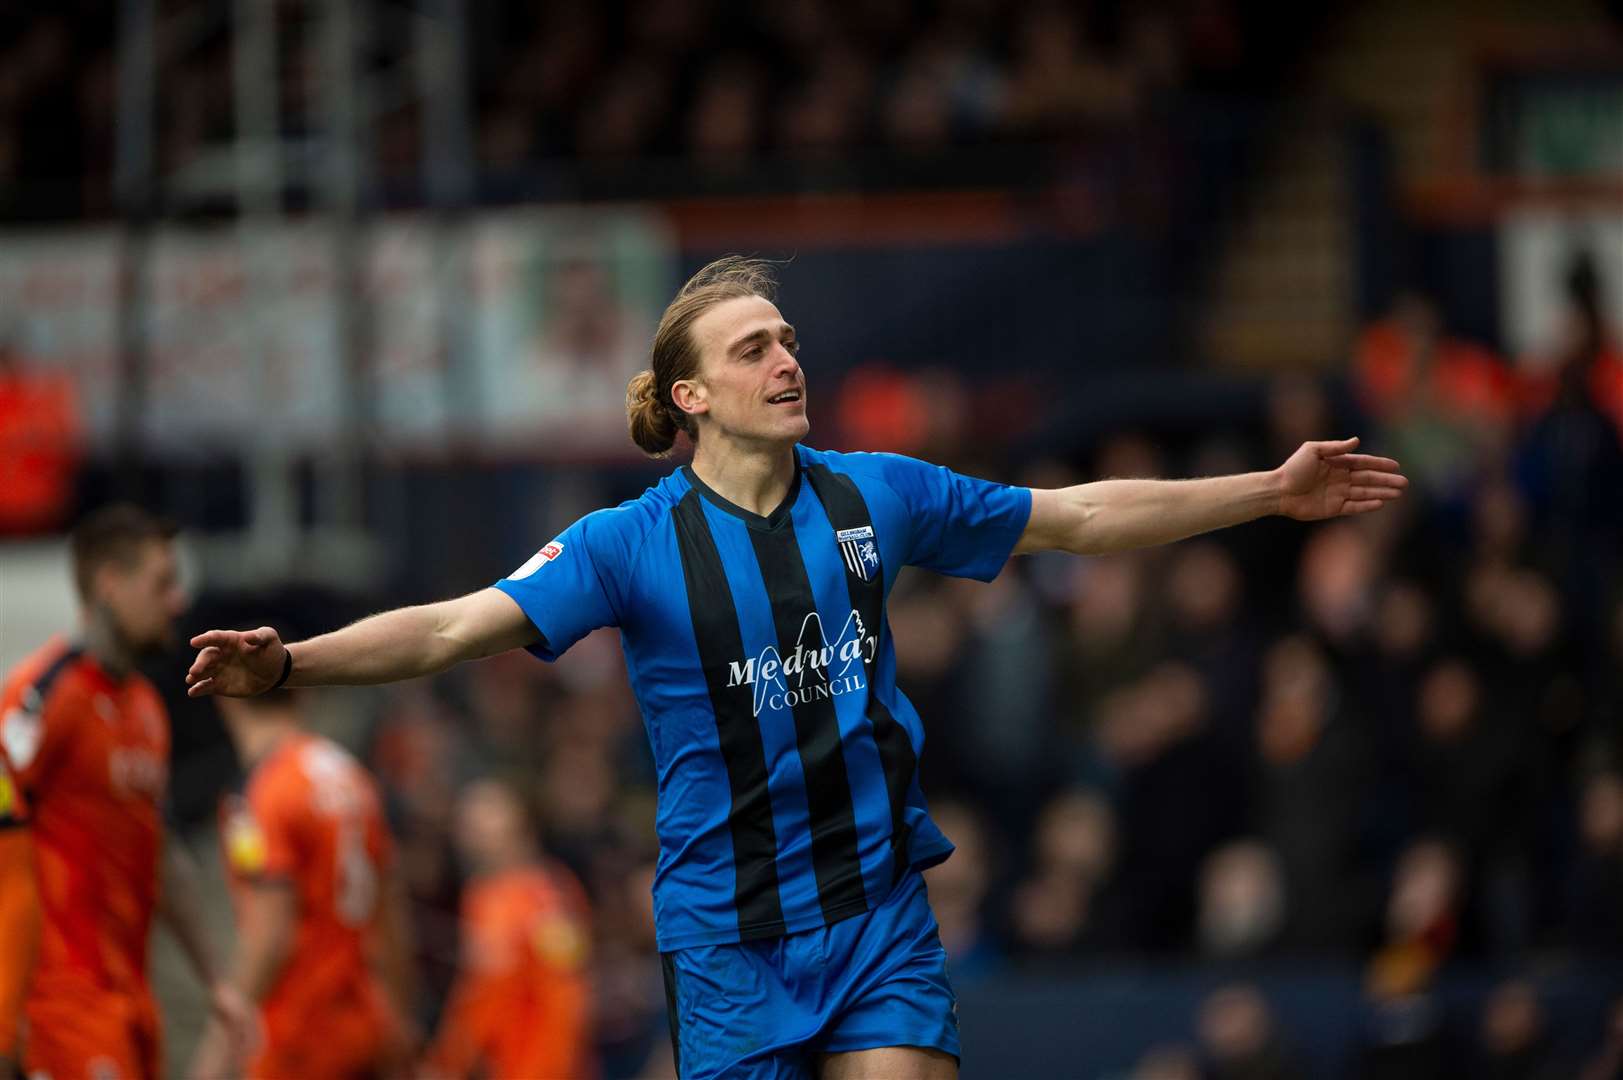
[765, 1010]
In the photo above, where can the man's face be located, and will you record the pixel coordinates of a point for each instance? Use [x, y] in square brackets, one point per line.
[749, 383]
[143, 596]
[489, 825]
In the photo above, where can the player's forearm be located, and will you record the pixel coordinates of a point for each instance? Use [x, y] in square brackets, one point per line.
[394, 960]
[179, 910]
[1117, 515]
[401, 644]
[265, 939]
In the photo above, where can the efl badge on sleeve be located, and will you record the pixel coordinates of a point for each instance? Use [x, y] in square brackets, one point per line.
[861, 554]
[538, 560]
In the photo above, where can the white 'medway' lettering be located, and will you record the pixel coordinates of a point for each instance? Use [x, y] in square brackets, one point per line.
[769, 671]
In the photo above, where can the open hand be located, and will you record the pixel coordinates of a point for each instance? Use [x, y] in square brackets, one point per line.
[235, 663]
[1326, 479]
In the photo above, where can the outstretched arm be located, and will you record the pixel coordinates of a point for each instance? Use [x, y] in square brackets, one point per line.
[400, 644]
[1320, 480]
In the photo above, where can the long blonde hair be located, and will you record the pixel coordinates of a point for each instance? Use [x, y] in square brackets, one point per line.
[651, 415]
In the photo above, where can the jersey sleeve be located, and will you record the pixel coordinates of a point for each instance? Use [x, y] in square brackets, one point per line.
[37, 734]
[13, 807]
[960, 526]
[267, 847]
[570, 587]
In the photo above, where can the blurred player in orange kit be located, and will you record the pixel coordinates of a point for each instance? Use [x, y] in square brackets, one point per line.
[320, 918]
[521, 1004]
[19, 914]
[88, 738]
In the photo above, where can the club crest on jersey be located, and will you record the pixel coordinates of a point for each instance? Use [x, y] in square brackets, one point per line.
[538, 560]
[859, 550]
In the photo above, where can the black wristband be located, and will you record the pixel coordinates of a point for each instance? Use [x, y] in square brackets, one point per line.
[287, 668]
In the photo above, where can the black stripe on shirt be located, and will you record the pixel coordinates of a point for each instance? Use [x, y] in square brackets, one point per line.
[667, 967]
[716, 632]
[34, 698]
[847, 509]
[817, 727]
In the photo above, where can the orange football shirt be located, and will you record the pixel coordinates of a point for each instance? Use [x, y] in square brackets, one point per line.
[311, 819]
[522, 1002]
[19, 917]
[91, 752]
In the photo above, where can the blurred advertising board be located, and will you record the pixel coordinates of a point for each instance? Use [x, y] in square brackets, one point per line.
[1537, 248]
[510, 332]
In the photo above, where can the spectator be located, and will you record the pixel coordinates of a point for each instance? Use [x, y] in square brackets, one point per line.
[1606, 1063]
[39, 443]
[724, 123]
[1596, 894]
[1311, 770]
[1405, 1034]
[958, 891]
[1003, 720]
[1177, 801]
[1058, 80]
[1586, 359]
[1475, 771]
[1065, 903]
[1241, 1039]
[1207, 628]
[1443, 405]
[1422, 922]
[1335, 589]
[1242, 901]
[1513, 1043]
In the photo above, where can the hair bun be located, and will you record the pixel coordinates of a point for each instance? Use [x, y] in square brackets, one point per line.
[652, 426]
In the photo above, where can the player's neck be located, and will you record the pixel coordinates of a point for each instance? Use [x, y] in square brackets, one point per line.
[255, 739]
[753, 477]
[508, 861]
[105, 644]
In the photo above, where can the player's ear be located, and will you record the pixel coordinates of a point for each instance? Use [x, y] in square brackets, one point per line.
[104, 581]
[690, 396]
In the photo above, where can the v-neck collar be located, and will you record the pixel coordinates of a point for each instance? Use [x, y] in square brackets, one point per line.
[774, 520]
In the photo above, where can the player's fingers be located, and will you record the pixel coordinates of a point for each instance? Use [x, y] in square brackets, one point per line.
[1335, 448]
[1367, 461]
[1379, 476]
[204, 663]
[200, 689]
[1361, 506]
[1362, 494]
[214, 637]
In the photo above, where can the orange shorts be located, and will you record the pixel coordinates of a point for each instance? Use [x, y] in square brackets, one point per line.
[341, 1044]
[93, 1034]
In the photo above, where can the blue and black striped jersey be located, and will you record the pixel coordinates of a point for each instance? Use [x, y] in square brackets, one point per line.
[760, 655]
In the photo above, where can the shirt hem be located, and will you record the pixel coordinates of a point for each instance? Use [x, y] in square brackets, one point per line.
[760, 932]
[921, 859]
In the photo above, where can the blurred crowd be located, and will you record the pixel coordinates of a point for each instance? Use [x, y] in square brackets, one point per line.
[820, 77]
[1393, 743]
[569, 83]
